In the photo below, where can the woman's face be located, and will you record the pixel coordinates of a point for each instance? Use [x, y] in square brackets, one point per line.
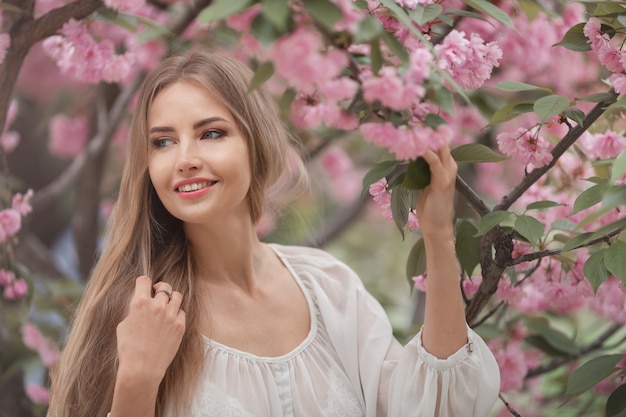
[198, 160]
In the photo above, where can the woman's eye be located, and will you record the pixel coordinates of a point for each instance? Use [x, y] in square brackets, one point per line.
[212, 134]
[162, 142]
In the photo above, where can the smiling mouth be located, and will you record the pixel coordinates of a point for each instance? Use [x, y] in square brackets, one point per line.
[187, 188]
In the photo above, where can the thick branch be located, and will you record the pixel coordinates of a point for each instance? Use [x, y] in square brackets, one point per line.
[25, 32]
[557, 362]
[570, 138]
[472, 198]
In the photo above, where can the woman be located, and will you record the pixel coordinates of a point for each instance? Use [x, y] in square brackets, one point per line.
[187, 313]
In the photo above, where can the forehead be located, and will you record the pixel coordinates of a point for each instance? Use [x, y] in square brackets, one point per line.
[183, 101]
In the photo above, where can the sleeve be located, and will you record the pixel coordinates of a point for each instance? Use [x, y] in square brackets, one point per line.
[395, 381]
[412, 382]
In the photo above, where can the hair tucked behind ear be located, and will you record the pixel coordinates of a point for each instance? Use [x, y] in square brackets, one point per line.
[144, 239]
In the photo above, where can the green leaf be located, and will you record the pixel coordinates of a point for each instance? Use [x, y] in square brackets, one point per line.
[368, 30]
[423, 14]
[516, 86]
[376, 56]
[615, 196]
[530, 228]
[262, 74]
[553, 337]
[543, 204]
[395, 46]
[548, 106]
[416, 262]
[445, 99]
[286, 99]
[221, 9]
[276, 12]
[324, 12]
[511, 111]
[540, 343]
[594, 269]
[12, 8]
[120, 19]
[621, 102]
[615, 259]
[564, 224]
[476, 152]
[577, 241]
[402, 201]
[263, 30]
[467, 245]
[377, 172]
[491, 220]
[591, 373]
[434, 120]
[417, 174]
[575, 39]
[616, 404]
[491, 10]
[575, 114]
[619, 167]
[591, 196]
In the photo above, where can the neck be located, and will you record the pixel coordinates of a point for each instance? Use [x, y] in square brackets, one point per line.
[227, 254]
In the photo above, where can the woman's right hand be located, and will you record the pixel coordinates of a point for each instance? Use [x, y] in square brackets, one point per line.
[150, 335]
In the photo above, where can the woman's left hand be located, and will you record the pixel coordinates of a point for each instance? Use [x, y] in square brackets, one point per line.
[435, 203]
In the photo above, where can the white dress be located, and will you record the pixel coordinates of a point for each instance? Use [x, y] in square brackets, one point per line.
[350, 365]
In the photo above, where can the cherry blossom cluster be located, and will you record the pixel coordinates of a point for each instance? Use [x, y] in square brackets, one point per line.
[610, 52]
[79, 54]
[47, 350]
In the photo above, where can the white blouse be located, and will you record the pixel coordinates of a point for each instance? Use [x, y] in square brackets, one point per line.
[350, 365]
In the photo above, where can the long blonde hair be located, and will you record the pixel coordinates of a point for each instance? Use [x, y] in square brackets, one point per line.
[144, 239]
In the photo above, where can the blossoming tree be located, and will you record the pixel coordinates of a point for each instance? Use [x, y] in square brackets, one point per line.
[529, 94]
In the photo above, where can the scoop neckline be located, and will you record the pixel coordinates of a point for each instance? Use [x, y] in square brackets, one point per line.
[301, 346]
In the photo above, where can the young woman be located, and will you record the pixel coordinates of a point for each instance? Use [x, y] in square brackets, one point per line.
[188, 313]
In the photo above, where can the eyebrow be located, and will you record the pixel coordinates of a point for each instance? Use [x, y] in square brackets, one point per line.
[199, 124]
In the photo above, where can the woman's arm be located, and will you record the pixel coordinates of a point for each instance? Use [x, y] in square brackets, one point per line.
[147, 341]
[445, 329]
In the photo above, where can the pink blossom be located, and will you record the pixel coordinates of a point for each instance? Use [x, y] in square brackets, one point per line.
[44, 6]
[10, 223]
[603, 145]
[420, 282]
[5, 42]
[389, 89]
[297, 59]
[242, 22]
[412, 4]
[406, 142]
[618, 81]
[508, 292]
[125, 5]
[68, 136]
[470, 285]
[469, 61]
[610, 56]
[6, 277]
[17, 289]
[21, 203]
[38, 394]
[45, 347]
[525, 145]
[382, 197]
[336, 163]
[513, 367]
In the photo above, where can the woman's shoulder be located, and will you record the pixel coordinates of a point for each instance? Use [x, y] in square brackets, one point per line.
[318, 264]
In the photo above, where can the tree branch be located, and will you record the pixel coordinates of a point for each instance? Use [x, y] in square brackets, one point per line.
[472, 198]
[557, 362]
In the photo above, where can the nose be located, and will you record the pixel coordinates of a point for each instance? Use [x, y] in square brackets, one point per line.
[188, 158]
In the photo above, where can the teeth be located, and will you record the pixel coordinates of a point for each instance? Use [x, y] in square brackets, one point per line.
[192, 187]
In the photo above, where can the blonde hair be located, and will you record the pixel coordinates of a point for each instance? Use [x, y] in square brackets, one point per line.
[144, 239]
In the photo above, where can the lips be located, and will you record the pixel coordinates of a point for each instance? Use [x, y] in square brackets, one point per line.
[194, 186]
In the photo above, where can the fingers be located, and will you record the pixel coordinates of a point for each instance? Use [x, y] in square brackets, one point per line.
[162, 290]
[442, 165]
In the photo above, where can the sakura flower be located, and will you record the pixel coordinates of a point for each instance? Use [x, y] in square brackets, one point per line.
[6, 277]
[68, 136]
[17, 289]
[525, 145]
[420, 282]
[44, 346]
[513, 367]
[38, 394]
[382, 197]
[618, 81]
[10, 139]
[21, 203]
[603, 145]
[469, 61]
[5, 42]
[10, 223]
[470, 285]
[389, 89]
[610, 300]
